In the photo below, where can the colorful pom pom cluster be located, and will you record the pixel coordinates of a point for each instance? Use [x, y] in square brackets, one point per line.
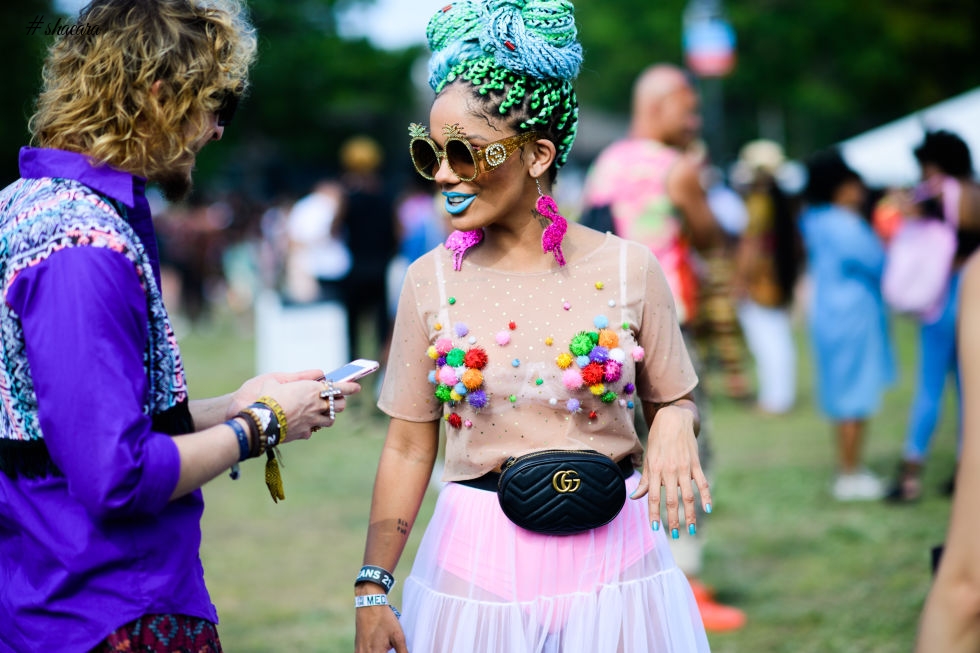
[458, 375]
[594, 361]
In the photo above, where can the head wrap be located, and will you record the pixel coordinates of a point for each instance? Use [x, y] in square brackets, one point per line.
[520, 53]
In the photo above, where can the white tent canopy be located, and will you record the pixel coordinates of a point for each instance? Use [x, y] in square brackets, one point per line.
[883, 156]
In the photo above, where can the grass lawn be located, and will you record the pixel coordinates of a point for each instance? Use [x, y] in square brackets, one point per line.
[813, 575]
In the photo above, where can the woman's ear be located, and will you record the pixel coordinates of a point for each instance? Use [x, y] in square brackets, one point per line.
[542, 157]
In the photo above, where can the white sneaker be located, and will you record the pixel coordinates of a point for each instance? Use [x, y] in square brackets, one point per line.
[859, 486]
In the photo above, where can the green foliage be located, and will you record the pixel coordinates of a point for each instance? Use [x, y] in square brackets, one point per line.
[830, 69]
[808, 73]
[310, 91]
[21, 79]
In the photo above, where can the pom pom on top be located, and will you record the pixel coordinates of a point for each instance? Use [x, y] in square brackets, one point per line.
[592, 373]
[455, 357]
[477, 399]
[472, 379]
[475, 358]
[572, 378]
[608, 339]
[447, 375]
[443, 346]
[581, 344]
[612, 371]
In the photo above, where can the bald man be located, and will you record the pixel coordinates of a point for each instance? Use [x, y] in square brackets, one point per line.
[651, 188]
[646, 187]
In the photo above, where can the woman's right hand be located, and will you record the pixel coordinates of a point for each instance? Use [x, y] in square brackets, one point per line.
[378, 631]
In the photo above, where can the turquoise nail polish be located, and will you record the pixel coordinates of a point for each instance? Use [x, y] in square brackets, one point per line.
[656, 526]
[692, 529]
[707, 508]
[674, 534]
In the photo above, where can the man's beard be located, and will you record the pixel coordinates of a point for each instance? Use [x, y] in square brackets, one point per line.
[175, 184]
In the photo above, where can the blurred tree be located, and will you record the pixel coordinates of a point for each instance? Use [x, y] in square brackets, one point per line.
[808, 73]
[310, 90]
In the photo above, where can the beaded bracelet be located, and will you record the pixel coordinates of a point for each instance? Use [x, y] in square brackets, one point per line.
[255, 429]
[268, 424]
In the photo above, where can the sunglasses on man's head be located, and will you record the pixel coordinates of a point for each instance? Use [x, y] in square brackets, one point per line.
[464, 160]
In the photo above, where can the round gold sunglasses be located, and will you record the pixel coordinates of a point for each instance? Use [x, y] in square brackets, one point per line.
[464, 160]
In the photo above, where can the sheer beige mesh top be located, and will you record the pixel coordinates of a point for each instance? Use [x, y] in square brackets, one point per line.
[567, 356]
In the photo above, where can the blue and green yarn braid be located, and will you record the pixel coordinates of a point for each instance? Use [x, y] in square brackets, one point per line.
[520, 57]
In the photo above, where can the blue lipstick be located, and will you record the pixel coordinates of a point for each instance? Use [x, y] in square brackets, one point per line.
[456, 203]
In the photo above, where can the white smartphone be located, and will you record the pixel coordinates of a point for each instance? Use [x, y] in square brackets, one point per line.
[352, 371]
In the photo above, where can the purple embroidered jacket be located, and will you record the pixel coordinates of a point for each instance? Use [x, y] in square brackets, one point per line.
[85, 552]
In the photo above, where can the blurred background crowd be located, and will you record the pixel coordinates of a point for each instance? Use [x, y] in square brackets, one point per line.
[337, 82]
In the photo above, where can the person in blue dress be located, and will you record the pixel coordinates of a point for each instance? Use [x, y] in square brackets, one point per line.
[847, 319]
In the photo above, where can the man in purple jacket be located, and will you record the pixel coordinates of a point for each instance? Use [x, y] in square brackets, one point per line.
[102, 454]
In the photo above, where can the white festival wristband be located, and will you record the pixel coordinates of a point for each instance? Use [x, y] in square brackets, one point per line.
[369, 600]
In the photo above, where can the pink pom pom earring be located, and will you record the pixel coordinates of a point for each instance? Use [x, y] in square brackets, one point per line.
[554, 232]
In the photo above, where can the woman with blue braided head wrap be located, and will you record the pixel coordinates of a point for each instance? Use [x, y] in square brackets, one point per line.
[526, 334]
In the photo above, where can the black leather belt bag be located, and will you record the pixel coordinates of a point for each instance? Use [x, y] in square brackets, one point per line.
[559, 492]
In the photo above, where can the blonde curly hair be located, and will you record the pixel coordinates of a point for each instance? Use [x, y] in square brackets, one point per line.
[98, 94]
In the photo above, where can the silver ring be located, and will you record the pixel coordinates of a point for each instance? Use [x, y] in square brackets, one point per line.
[330, 400]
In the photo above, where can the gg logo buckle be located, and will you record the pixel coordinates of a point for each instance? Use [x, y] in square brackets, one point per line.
[566, 481]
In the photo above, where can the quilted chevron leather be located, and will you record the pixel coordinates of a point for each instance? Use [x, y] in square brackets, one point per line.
[561, 492]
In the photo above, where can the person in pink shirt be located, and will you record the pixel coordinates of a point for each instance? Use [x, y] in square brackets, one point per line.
[647, 189]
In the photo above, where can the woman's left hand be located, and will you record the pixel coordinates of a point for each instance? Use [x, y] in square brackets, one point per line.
[672, 462]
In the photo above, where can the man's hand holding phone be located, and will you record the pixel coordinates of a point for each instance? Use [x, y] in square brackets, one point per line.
[335, 381]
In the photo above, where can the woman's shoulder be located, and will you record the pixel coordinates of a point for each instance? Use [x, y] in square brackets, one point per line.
[603, 247]
[636, 253]
[425, 265]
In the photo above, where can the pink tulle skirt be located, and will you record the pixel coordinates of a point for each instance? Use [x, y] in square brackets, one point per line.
[480, 584]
